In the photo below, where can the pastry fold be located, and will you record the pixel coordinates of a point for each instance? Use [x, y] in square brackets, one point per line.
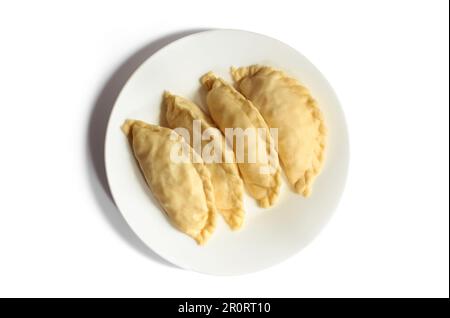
[230, 110]
[287, 105]
[227, 184]
[183, 189]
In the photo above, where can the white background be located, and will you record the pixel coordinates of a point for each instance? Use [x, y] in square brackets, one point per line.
[61, 65]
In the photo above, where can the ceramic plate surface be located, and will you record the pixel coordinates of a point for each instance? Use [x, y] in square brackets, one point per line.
[268, 236]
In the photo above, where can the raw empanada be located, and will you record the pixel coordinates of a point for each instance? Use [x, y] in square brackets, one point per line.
[227, 184]
[183, 189]
[288, 106]
[229, 109]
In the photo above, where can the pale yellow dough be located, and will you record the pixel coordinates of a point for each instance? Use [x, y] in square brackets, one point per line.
[229, 109]
[288, 106]
[227, 184]
[184, 190]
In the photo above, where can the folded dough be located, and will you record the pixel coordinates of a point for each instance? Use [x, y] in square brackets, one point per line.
[288, 106]
[227, 184]
[184, 190]
[229, 109]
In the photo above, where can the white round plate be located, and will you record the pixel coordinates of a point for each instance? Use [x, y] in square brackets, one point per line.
[268, 236]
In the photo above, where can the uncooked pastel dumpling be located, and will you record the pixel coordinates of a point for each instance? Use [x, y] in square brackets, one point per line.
[230, 110]
[227, 184]
[288, 106]
[182, 188]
